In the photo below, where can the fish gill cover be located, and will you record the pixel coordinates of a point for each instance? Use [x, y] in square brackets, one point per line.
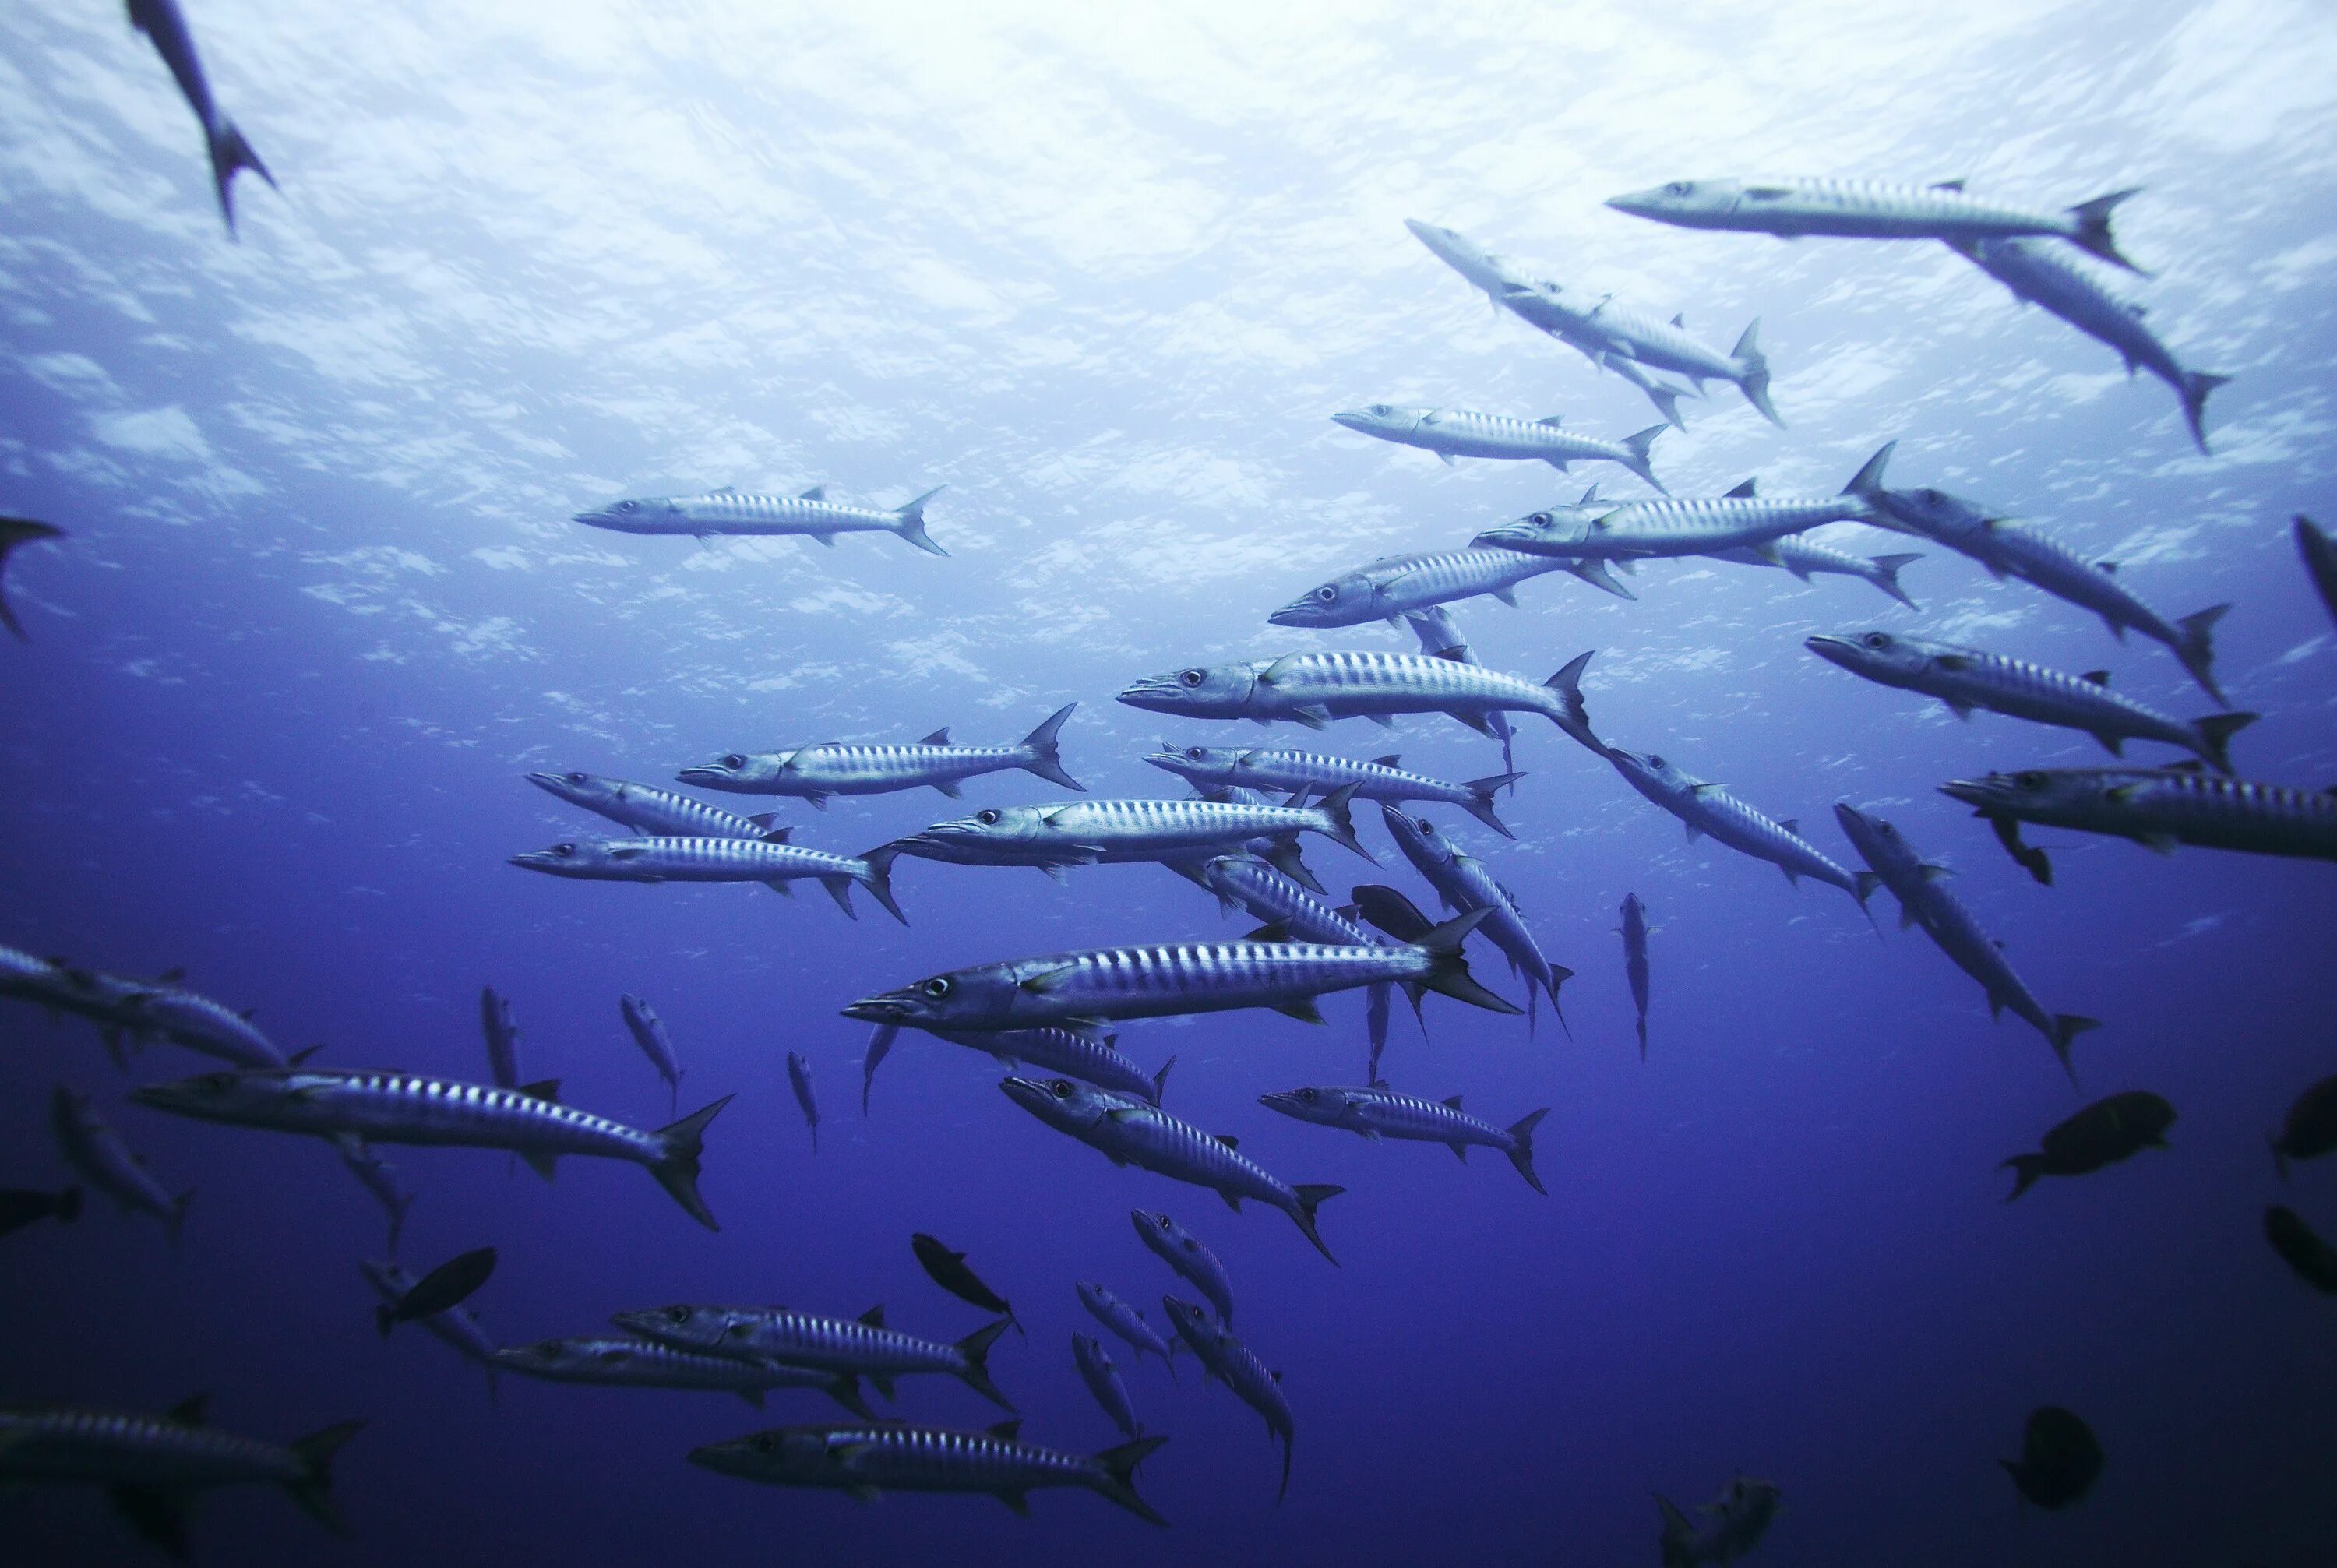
[340, 339]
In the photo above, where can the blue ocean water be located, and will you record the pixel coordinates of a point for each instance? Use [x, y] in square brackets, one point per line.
[1105, 275]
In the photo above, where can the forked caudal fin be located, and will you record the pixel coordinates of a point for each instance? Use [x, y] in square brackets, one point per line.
[313, 1488]
[2093, 228]
[1574, 717]
[1887, 576]
[1342, 823]
[1044, 759]
[1480, 803]
[2196, 385]
[1119, 1479]
[2066, 1027]
[16, 531]
[1311, 1197]
[1679, 1543]
[1753, 374]
[975, 1349]
[1521, 1149]
[910, 522]
[2196, 648]
[677, 1168]
[2026, 1169]
[1638, 446]
[2215, 732]
[1449, 971]
[879, 878]
[229, 153]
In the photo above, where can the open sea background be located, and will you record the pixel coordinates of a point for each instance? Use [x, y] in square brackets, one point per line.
[1105, 272]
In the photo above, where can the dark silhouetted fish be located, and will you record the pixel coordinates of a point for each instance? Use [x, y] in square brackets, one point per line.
[1735, 1523]
[2103, 1133]
[947, 1270]
[1234, 1365]
[161, 22]
[2313, 1260]
[2320, 554]
[1103, 1381]
[1635, 961]
[503, 1037]
[1127, 1322]
[98, 1157]
[2060, 1458]
[1188, 1255]
[648, 1031]
[446, 1286]
[14, 532]
[2157, 808]
[23, 1206]
[2310, 1129]
[858, 1347]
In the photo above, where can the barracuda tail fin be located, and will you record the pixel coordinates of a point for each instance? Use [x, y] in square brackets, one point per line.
[1667, 402]
[16, 531]
[1753, 374]
[1311, 1197]
[677, 1168]
[1119, 1479]
[2026, 1169]
[2196, 385]
[1449, 971]
[2198, 648]
[879, 878]
[1342, 828]
[313, 1488]
[1639, 445]
[1574, 718]
[1284, 857]
[909, 521]
[1521, 1149]
[1044, 760]
[838, 888]
[975, 1348]
[1480, 803]
[2066, 1027]
[1679, 1543]
[2215, 732]
[231, 153]
[2093, 220]
[1887, 576]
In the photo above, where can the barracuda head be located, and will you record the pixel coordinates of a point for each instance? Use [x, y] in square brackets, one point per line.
[1417, 837]
[1199, 691]
[1211, 765]
[643, 514]
[251, 1098]
[1064, 1104]
[1159, 1231]
[1553, 531]
[1876, 840]
[1650, 774]
[1389, 421]
[1230, 876]
[1879, 655]
[1348, 600]
[2034, 792]
[687, 1328]
[577, 858]
[1931, 514]
[1693, 202]
[589, 790]
[1192, 1321]
[787, 1455]
[962, 998]
[1324, 1107]
[1458, 251]
[745, 772]
[993, 828]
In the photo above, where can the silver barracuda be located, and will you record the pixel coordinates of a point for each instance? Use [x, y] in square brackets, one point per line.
[1967, 678]
[1049, 1049]
[56, 985]
[1270, 771]
[1131, 1132]
[799, 1083]
[1440, 635]
[1376, 1111]
[1103, 1380]
[1634, 932]
[1188, 1255]
[810, 516]
[1639, 529]
[1612, 334]
[1236, 1365]
[383, 1107]
[100, 1158]
[165, 26]
[138, 1010]
[648, 1030]
[2157, 808]
[1467, 884]
[1127, 1323]
[378, 1177]
[1315, 689]
[769, 861]
[2006, 548]
[1804, 558]
[607, 1362]
[1290, 911]
[1709, 809]
[502, 1036]
[1871, 210]
[153, 1466]
[832, 767]
[1395, 585]
[456, 1327]
[1105, 831]
[2041, 273]
[649, 811]
[1456, 432]
[847, 1348]
[1925, 900]
[864, 1460]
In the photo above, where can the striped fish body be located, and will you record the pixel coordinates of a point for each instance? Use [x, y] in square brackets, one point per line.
[404, 1108]
[1234, 1365]
[2045, 276]
[458, 1327]
[839, 768]
[1635, 960]
[199, 1024]
[858, 1347]
[1252, 885]
[1123, 1320]
[1132, 1131]
[1464, 883]
[1381, 1113]
[98, 1157]
[2162, 807]
[614, 1363]
[648, 1030]
[1175, 978]
[1274, 771]
[1188, 1255]
[1653, 341]
[122, 1448]
[1704, 525]
[379, 1178]
[1129, 829]
[676, 860]
[104, 999]
[1806, 558]
[866, 1460]
[747, 511]
[1103, 1380]
[1403, 583]
[1709, 809]
[647, 809]
[1352, 685]
[1868, 209]
[1462, 432]
[1059, 1051]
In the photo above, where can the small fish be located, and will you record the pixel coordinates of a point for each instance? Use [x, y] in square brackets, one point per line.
[948, 1269]
[1706, 808]
[2157, 807]
[1455, 433]
[799, 1079]
[14, 531]
[98, 1157]
[2060, 1458]
[2312, 542]
[1234, 1365]
[2309, 1257]
[611, 1363]
[1396, 585]
[1103, 1381]
[1583, 536]
[819, 772]
[456, 1327]
[152, 1466]
[729, 511]
[386, 1107]
[1967, 678]
[1383, 779]
[503, 1037]
[2103, 1133]
[651, 811]
[1635, 960]
[1737, 1519]
[1871, 210]
[861, 1461]
[23, 1206]
[1188, 1255]
[1466, 885]
[164, 1009]
[1049, 1049]
[1613, 334]
[770, 860]
[166, 27]
[2310, 1129]
[1377, 1111]
[1127, 1322]
[378, 1177]
[648, 1031]
[448, 1286]
[1803, 557]
[858, 1347]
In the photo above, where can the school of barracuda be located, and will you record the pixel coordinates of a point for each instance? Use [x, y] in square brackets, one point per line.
[1046, 1018]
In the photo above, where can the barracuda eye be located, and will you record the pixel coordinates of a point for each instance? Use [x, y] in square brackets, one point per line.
[1162, 1220]
[939, 986]
[1887, 830]
[577, 778]
[1539, 520]
[1655, 761]
[1381, 408]
[2030, 778]
[734, 762]
[1878, 641]
[1193, 752]
[677, 1315]
[563, 850]
[1308, 1097]
[987, 816]
[1326, 593]
[767, 1444]
[1191, 677]
[629, 505]
[1427, 828]
[1061, 1088]
[1680, 188]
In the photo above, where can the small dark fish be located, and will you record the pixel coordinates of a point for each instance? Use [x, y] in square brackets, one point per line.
[947, 1270]
[449, 1285]
[16, 531]
[1635, 960]
[2310, 1130]
[2313, 1260]
[2319, 553]
[23, 1206]
[2060, 1458]
[2103, 1133]
[799, 1076]
[503, 1037]
[1737, 1519]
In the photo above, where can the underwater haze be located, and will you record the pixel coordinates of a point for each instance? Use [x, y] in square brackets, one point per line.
[1106, 273]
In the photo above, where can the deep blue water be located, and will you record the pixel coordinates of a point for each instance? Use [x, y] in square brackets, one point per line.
[320, 609]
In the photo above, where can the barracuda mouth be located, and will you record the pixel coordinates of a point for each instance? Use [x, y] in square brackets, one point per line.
[701, 775]
[1153, 690]
[594, 519]
[532, 860]
[1353, 421]
[1299, 613]
[1989, 795]
[1616, 754]
[1168, 758]
[891, 1007]
[1282, 1101]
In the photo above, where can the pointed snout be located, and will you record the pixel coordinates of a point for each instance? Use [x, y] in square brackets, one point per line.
[1150, 692]
[703, 773]
[1638, 203]
[886, 1007]
[1353, 419]
[1028, 1093]
[532, 860]
[1982, 793]
[1841, 651]
[1168, 756]
[1281, 1100]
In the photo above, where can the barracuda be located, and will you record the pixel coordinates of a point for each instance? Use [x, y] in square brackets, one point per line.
[611, 1363]
[810, 515]
[799, 1083]
[383, 1107]
[864, 1460]
[1378, 1111]
[1967, 678]
[1049, 1049]
[1188, 1255]
[502, 1036]
[648, 1030]
[769, 861]
[378, 1177]
[165, 26]
[1633, 931]
[1106, 831]
[1611, 333]
[1869, 210]
[1103, 1380]
[1925, 900]
[1127, 1323]
[648, 809]
[103, 999]
[1456, 432]
[818, 772]
[1706, 808]
[2039, 274]
[2007, 549]
[1129, 1132]
[1313, 773]
[1467, 885]
[98, 1157]
[2320, 556]
[2157, 807]
[15, 533]
[167, 1010]
[1236, 1365]
[1639, 529]
[151, 1465]
[1291, 911]
[1395, 585]
[847, 1348]
[1805, 559]
[1314, 688]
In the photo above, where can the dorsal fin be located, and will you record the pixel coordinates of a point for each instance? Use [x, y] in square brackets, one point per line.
[172, 976]
[1680, 320]
[1742, 490]
[2099, 677]
[544, 1089]
[1393, 759]
[938, 737]
[1228, 1139]
[1272, 931]
[1792, 825]
[1956, 185]
[1588, 496]
[874, 1316]
[1552, 420]
[726, 490]
[2108, 568]
[816, 493]
[1454, 1101]
[1006, 1431]
[189, 1412]
[776, 835]
[2188, 765]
